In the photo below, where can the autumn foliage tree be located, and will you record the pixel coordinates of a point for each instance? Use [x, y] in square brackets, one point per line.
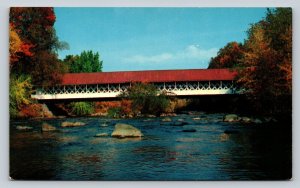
[17, 47]
[267, 76]
[33, 49]
[258, 73]
[264, 62]
[34, 27]
[228, 57]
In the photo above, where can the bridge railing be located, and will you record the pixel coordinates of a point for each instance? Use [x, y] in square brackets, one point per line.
[113, 90]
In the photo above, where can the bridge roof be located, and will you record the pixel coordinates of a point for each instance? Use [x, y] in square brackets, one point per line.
[151, 76]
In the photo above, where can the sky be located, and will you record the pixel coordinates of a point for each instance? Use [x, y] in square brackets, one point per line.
[153, 38]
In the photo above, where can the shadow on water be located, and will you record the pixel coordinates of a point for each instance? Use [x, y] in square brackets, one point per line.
[267, 151]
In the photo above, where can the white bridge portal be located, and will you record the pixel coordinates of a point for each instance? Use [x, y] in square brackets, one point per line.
[85, 91]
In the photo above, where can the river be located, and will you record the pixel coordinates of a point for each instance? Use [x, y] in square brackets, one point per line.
[245, 152]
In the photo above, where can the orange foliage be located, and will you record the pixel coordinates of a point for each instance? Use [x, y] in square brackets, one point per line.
[26, 49]
[17, 47]
[103, 106]
[126, 106]
[31, 110]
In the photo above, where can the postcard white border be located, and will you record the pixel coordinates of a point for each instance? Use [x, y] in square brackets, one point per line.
[4, 136]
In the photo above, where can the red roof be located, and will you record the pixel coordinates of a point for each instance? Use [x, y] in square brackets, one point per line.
[148, 76]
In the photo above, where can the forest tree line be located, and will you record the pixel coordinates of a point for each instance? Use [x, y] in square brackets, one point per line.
[263, 62]
[34, 61]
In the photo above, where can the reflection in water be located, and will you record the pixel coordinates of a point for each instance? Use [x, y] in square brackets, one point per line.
[164, 153]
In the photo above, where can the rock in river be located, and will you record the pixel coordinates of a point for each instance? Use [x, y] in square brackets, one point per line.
[23, 128]
[72, 124]
[101, 135]
[257, 121]
[167, 119]
[46, 127]
[246, 120]
[125, 130]
[231, 118]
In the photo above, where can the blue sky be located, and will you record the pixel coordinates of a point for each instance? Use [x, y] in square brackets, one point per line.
[153, 38]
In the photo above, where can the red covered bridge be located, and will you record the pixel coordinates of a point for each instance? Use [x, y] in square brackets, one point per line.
[111, 84]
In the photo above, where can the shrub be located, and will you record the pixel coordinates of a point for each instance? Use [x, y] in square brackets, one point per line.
[146, 99]
[114, 112]
[82, 108]
[177, 105]
[126, 107]
[31, 110]
[19, 93]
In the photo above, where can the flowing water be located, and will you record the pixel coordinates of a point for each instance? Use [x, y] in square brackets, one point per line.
[244, 152]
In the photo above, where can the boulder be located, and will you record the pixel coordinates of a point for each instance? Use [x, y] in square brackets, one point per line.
[150, 116]
[270, 120]
[72, 124]
[46, 127]
[124, 130]
[104, 125]
[168, 114]
[46, 112]
[257, 121]
[146, 120]
[23, 128]
[101, 135]
[167, 119]
[231, 118]
[246, 119]
[191, 113]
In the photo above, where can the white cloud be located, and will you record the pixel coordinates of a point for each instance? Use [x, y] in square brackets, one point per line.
[149, 59]
[191, 52]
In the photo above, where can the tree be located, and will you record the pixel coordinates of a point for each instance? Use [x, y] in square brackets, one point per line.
[49, 70]
[87, 61]
[278, 30]
[228, 57]
[257, 74]
[267, 65]
[264, 62]
[17, 48]
[34, 26]
[146, 99]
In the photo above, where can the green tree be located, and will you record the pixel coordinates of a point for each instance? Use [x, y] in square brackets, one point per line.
[146, 99]
[87, 61]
